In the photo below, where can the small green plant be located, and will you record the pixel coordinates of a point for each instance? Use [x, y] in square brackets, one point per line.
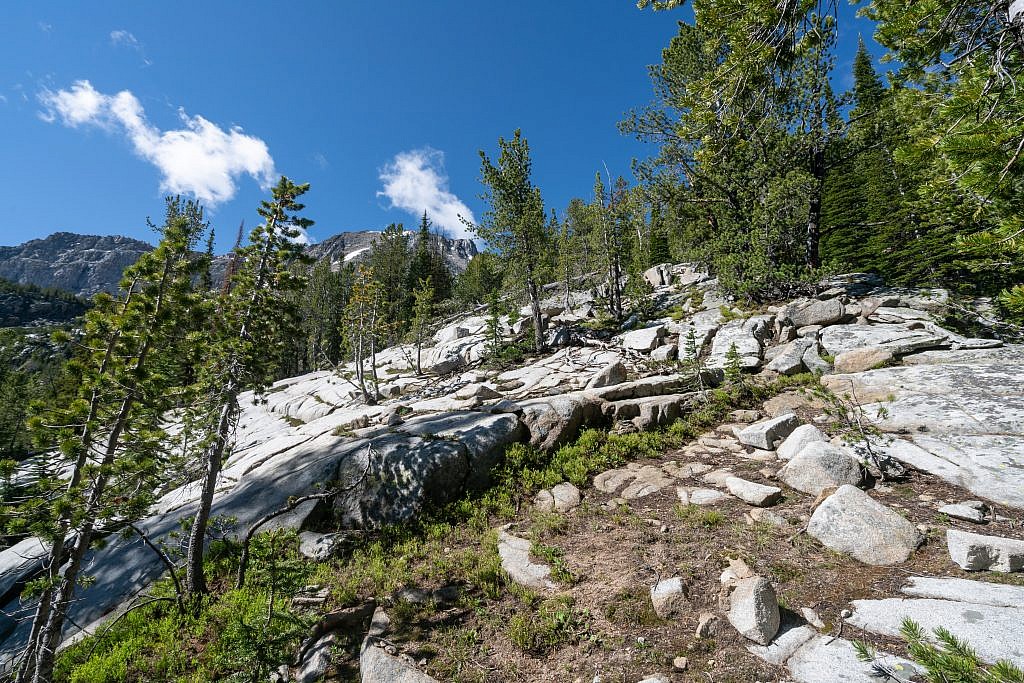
[553, 556]
[557, 621]
[949, 660]
[849, 420]
[733, 368]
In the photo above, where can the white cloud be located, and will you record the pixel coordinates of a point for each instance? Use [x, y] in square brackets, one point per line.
[126, 38]
[415, 181]
[44, 27]
[200, 158]
[122, 38]
[303, 237]
[3, 98]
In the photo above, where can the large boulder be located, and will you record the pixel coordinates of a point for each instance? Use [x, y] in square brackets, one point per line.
[646, 339]
[852, 522]
[659, 275]
[747, 336]
[612, 374]
[767, 433]
[819, 466]
[555, 420]
[797, 440]
[754, 609]
[813, 312]
[790, 358]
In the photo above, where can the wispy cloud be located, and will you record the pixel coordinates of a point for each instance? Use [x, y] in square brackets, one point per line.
[416, 181]
[3, 98]
[321, 160]
[122, 38]
[44, 27]
[200, 158]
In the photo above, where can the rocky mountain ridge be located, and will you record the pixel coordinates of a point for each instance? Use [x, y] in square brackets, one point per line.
[947, 408]
[88, 264]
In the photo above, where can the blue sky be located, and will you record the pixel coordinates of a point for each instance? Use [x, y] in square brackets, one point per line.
[105, 107]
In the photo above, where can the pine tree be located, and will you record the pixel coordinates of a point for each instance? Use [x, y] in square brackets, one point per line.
[513, 225]
[109, 439]
[423, 308]
[389, 261]
[363, 327]
[256, 318]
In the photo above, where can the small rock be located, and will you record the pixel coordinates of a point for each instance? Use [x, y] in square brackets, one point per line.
[716, 477]
[669, 598]
[737, 570]
[789, 360]
[812, 618]
[699, 496]
[664, 353]
[964, 511]
[754, 609]
[707, 625]
[745, 416]
[753, 493]
[852, 522]
[815, 363]
[975, 552]
[560, 498]
[680, 663]
[762, 515]
[802, 314]
[797, 439]
[765, 433]
[515, 560]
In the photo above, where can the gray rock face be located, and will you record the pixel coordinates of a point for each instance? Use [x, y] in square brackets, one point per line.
[820, 466]
[766, 433]
[975, 552]
[897, 338]
[88, 264]
[852, 522]
[966, 590]
[659, 275]
[556, 420]
[82, 264]
[19, 562]
[993, 632]
[797, 440]
[813, 658]
[861, 359]
[814, 312]
[754, 609]
[753, 493]
[964, 412]
[668, 598]
[377, 665]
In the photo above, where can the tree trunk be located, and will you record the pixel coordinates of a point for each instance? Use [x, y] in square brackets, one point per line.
[538, 320]
[814, 209]
[195, 577]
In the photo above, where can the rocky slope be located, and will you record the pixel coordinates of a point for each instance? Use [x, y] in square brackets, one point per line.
[946, 406]
[81, 264]
[87, 264]
[24, 305]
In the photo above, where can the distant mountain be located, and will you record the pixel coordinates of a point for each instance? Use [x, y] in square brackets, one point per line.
[87, 264]
[23, 305]
[80, 264]
[354, 246]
